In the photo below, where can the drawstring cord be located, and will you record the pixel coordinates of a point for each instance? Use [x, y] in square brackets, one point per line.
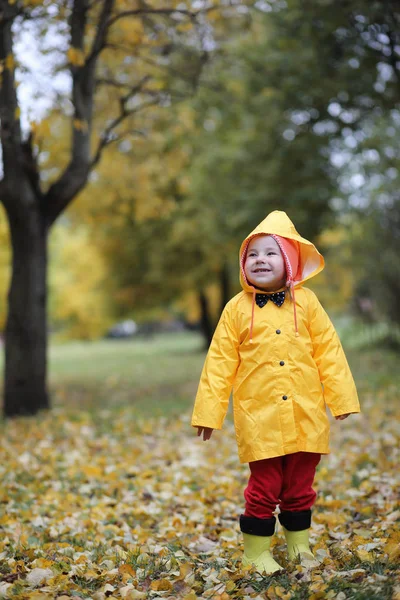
[294, 308]
[252, 315]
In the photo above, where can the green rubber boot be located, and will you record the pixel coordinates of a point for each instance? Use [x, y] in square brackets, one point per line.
[298, 545]
[257, 553]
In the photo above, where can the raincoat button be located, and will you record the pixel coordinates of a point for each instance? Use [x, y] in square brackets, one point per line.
[284, 397]
[278, 331]
[282, 363]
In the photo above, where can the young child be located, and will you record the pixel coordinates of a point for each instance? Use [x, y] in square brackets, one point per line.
[277, 349]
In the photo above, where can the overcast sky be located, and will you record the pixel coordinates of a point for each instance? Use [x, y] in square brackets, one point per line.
[40, 83]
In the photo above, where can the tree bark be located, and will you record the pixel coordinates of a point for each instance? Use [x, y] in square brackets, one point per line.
[25, 336]
[25, 388]
[206, 326]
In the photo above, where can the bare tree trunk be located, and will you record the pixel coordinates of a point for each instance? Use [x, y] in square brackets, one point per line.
[26, 329]
[206, 326]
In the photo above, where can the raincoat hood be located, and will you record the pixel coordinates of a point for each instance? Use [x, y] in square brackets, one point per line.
[277, 223]
[302, 259]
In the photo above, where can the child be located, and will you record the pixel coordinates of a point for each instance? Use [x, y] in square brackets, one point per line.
[276, 347]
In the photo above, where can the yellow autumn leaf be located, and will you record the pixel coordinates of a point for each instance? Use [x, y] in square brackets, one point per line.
[43, 563]
[90, 471]
[230, 585]
[76, 56]
[82, 559]
[184, 570]
[364, 555]
[392, 548]
[40, 129]
[9, 62]
[80, 125]
[126, 570]
[89, 574]
[162, 585]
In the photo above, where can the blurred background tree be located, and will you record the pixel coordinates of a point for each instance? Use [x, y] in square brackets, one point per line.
[281, 120]
[291, 106]
[121, 59]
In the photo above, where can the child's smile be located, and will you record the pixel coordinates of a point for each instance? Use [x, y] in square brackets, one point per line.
[264, 266]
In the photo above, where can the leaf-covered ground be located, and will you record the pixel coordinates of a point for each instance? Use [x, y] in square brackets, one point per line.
[108, 504]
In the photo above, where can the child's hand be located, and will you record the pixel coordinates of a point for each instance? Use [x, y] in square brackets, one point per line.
[342, 417]
[207, 432]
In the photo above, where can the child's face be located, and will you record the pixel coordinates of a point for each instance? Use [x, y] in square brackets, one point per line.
[264, 265]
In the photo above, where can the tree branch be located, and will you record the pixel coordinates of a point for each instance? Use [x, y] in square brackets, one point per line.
[112, 83]
[107, 137]
[75, 176]
[101, 32]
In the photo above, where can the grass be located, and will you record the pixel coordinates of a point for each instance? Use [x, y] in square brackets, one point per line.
[159, 375]
[134, 361]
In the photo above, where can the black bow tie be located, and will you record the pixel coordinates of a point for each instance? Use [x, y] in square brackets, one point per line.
[277, 298]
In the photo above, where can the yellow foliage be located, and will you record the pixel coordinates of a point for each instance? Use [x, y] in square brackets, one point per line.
[90, 471]
[9, 62]
[162, 585]
[189, 303]
[183, 27]
[76, 57]
[40, 130]
[134, 184]
[130, 30]
[52, 135]
[78, 284]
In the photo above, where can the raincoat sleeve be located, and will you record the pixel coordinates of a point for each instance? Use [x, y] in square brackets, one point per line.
[339, 388]
[216, 381]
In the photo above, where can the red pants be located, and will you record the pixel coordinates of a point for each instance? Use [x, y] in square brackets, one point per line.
[284, 480]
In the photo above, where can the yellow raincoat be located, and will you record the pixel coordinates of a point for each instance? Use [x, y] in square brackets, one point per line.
[281, 382]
